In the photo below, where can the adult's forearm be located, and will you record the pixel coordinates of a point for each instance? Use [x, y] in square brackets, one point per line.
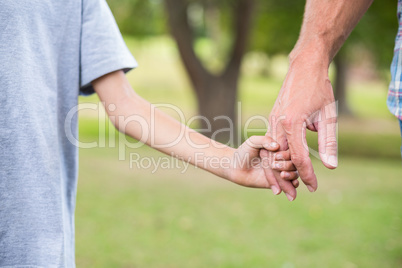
[326, 26]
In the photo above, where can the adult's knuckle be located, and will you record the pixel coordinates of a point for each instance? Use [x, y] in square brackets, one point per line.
[332, 144]
[287, 123]
[298, 160]
[331, 141]
[292, 121]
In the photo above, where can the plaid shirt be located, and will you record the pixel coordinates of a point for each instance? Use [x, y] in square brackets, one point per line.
[394, 100]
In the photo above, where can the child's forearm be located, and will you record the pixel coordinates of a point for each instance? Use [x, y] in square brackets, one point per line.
[138, 118]
[169, 136]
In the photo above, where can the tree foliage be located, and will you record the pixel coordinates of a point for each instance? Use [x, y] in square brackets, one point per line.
[139, 17]
[275, 29]
[279, 21]
[376, 32]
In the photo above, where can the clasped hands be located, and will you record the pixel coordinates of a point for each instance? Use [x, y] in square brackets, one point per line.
[305, 101]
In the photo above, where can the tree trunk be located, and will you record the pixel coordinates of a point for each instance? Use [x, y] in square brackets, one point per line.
[217, 105]
[216, 94]
[340, 84]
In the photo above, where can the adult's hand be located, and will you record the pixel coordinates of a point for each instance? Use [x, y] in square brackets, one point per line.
[306, 100]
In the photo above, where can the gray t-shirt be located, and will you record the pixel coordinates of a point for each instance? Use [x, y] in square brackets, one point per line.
[49, 51]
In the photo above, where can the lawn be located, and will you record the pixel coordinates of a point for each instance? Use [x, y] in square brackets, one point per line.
[132, 217]
[129, 217]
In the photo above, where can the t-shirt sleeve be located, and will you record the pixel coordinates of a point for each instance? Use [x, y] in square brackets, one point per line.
[102, 47]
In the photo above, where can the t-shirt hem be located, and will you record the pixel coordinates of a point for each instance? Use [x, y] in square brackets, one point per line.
[103, 68]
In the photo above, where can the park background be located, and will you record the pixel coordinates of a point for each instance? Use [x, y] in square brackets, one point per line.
[131, 217]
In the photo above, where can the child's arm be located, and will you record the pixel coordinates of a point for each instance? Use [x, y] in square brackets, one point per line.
[169, 136]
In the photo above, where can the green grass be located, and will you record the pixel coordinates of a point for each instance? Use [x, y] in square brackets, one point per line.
[129, 217]
[133, 218]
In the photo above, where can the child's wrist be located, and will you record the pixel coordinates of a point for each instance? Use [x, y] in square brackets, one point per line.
[227, 162]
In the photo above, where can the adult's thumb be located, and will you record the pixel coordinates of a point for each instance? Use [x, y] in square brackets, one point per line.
[327, 142]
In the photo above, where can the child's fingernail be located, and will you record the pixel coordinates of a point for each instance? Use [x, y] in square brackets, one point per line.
[310, 188]
[275, 190]
[290, 198]
[278, 157]
[273, 145]
[278, 165]
[285, 174]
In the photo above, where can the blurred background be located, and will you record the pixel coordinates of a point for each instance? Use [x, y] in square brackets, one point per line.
[134, 217]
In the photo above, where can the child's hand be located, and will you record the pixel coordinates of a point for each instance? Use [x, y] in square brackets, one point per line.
[247, 169]
[283, 163]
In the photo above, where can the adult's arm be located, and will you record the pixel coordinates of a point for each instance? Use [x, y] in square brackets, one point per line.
[306, 99]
